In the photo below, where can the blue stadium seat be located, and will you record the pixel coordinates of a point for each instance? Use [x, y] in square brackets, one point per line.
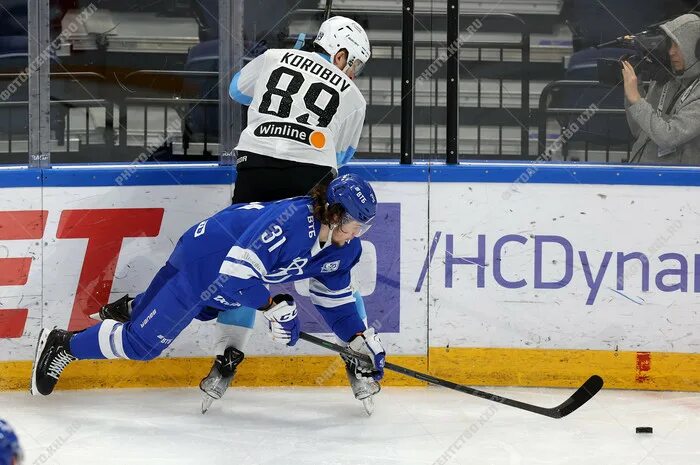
[13, 18]
[13, 52]
[594, 22]
[13, 59]
[600, 130]
[207, 14]
[202, 119]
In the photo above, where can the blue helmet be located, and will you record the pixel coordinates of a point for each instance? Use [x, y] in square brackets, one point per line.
[357, 198]
[10, 451]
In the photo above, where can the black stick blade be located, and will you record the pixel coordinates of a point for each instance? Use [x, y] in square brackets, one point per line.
[578, 398]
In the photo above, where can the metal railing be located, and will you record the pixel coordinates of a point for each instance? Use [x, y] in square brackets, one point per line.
[606, 141]
[387, 53]
[211, 128]
[140, 94]
[69, 140]
[454, 113]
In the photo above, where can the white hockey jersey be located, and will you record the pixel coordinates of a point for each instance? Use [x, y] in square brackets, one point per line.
[302, 108]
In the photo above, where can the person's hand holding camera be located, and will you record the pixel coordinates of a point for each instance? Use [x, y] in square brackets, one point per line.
[630, 79]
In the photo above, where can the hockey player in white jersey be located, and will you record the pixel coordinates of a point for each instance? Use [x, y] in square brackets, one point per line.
[304, 106]
[305, 118]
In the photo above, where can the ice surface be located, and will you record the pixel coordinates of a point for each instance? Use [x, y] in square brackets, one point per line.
[327, 426]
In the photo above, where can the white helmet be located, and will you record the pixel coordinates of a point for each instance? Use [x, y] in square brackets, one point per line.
[340, 32]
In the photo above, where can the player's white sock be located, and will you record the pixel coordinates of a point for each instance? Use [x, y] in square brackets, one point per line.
[231, 336]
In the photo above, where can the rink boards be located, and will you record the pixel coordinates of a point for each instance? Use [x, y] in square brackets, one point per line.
[493, 274]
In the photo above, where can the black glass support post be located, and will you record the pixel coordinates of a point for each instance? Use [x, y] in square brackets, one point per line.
[230, 60]
[452, 120]
[39, 85]
[407, 83]
[525, 96]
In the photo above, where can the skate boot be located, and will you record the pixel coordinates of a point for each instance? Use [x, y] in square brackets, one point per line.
[119, 310]
[214, 385]
[52, 356]
[363, 388]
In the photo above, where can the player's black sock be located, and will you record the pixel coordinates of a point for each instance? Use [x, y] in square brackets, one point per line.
[221, 373]
[119, 310]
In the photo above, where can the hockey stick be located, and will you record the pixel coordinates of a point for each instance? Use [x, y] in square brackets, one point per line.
[582, 395]
[327, 10]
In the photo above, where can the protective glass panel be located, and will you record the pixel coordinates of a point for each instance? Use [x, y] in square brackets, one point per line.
[134, 81]
[14, 85]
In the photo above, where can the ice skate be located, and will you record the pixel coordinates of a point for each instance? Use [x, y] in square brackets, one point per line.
[214, 385]
[363, 388]
[119, 310]
[51, 357]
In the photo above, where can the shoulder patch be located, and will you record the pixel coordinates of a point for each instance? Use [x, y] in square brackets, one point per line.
[330, 267]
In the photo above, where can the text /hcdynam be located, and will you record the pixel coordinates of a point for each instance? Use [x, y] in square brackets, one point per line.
[672, 268]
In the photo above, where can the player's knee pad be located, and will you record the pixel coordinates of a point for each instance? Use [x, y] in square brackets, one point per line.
[138, 347]
[144, 353]
[241, 316]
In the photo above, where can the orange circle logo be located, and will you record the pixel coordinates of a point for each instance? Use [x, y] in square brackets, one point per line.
[317, 139]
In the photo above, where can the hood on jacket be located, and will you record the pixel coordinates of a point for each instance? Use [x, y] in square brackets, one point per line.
[685, 32]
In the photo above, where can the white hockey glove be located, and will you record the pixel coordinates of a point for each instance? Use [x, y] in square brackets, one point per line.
[368, 343]
[281, 315]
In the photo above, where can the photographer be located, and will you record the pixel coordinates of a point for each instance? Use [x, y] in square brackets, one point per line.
[666, 122]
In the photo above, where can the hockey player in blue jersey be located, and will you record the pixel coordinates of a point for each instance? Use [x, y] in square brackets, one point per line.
[226, 262]
[10, 450]
[273, 167]
[321, 98]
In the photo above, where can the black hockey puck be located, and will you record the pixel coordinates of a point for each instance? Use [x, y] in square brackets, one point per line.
[644, 429]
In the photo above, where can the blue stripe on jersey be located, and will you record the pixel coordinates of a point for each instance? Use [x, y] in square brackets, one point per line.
[236, 94]
[326, 57]
[360, 304]
[344, 158]
[300, 41]
[242, 316]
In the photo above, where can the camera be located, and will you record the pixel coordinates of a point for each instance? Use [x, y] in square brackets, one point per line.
[648, 54]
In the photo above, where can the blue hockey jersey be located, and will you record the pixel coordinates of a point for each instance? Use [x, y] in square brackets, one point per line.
[231, 258]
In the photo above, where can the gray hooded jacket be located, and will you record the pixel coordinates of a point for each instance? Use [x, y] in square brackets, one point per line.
[671, 136]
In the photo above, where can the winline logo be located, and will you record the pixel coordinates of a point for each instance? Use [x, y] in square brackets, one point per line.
[292, 131]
